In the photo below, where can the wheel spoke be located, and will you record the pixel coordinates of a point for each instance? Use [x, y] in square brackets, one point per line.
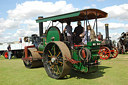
[49, 56]
[50, 52]
[49, 61]
[114, 54]
[103, 56]
[54, 51]
[106, 56]
[58, 70]
[58, 54]
[53, 70]
[60, 62]
[107, 52]
[52, 66]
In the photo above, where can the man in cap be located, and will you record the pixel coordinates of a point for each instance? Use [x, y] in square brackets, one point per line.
[78, 30]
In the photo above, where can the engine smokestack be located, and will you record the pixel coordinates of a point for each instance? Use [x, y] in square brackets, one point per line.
[107, 31]
[40, 27]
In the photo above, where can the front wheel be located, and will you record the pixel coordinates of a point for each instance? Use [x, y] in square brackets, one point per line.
[33, 59]
[54, 60]
[104, 53]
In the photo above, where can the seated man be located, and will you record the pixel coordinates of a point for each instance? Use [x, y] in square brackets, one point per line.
[78, 30]
[68, 28]
[91, 35]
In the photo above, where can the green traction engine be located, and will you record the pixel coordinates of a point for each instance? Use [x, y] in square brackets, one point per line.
[54, 52]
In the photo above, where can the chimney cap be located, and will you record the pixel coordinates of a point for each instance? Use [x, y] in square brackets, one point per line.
[106, 24]
[40, 17]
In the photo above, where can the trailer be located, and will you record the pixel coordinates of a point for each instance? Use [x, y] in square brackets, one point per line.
[17, 48]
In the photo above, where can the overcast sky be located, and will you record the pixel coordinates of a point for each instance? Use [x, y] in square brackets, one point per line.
[17, 17]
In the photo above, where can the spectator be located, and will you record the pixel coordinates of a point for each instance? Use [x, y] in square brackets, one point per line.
[9, 51]
[20, 40]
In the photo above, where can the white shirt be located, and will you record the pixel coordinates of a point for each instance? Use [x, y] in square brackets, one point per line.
[85, 37]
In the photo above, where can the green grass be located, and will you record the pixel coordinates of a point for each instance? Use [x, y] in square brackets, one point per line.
[111, 72]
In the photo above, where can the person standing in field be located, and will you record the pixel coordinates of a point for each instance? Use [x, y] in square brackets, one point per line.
[9, 51]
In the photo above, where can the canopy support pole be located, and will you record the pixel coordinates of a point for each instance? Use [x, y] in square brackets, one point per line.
[86, 25]
[96, 26]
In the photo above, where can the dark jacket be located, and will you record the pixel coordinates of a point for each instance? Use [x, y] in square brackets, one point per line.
[78, 30]
[9, 48]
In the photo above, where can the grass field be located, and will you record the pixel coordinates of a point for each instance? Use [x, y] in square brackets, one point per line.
[111, 72]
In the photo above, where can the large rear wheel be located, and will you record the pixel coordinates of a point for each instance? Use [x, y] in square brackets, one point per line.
[54, 59]
[114, 52]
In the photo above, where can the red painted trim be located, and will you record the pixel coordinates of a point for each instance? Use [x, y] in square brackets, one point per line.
[83, 53]
[112, 50]
[72, 60]
[26, 50]
[77, 45]
[28, 58]
[6, 54]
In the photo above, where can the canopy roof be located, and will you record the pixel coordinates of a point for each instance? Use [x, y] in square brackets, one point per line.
[76, 16]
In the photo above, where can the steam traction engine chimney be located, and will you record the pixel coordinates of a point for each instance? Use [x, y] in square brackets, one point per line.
[107, 31]
[40, 27]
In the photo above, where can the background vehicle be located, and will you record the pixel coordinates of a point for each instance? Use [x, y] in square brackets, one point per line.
[108, 49]
[17, 48]
[55, 51]
[122, 44]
